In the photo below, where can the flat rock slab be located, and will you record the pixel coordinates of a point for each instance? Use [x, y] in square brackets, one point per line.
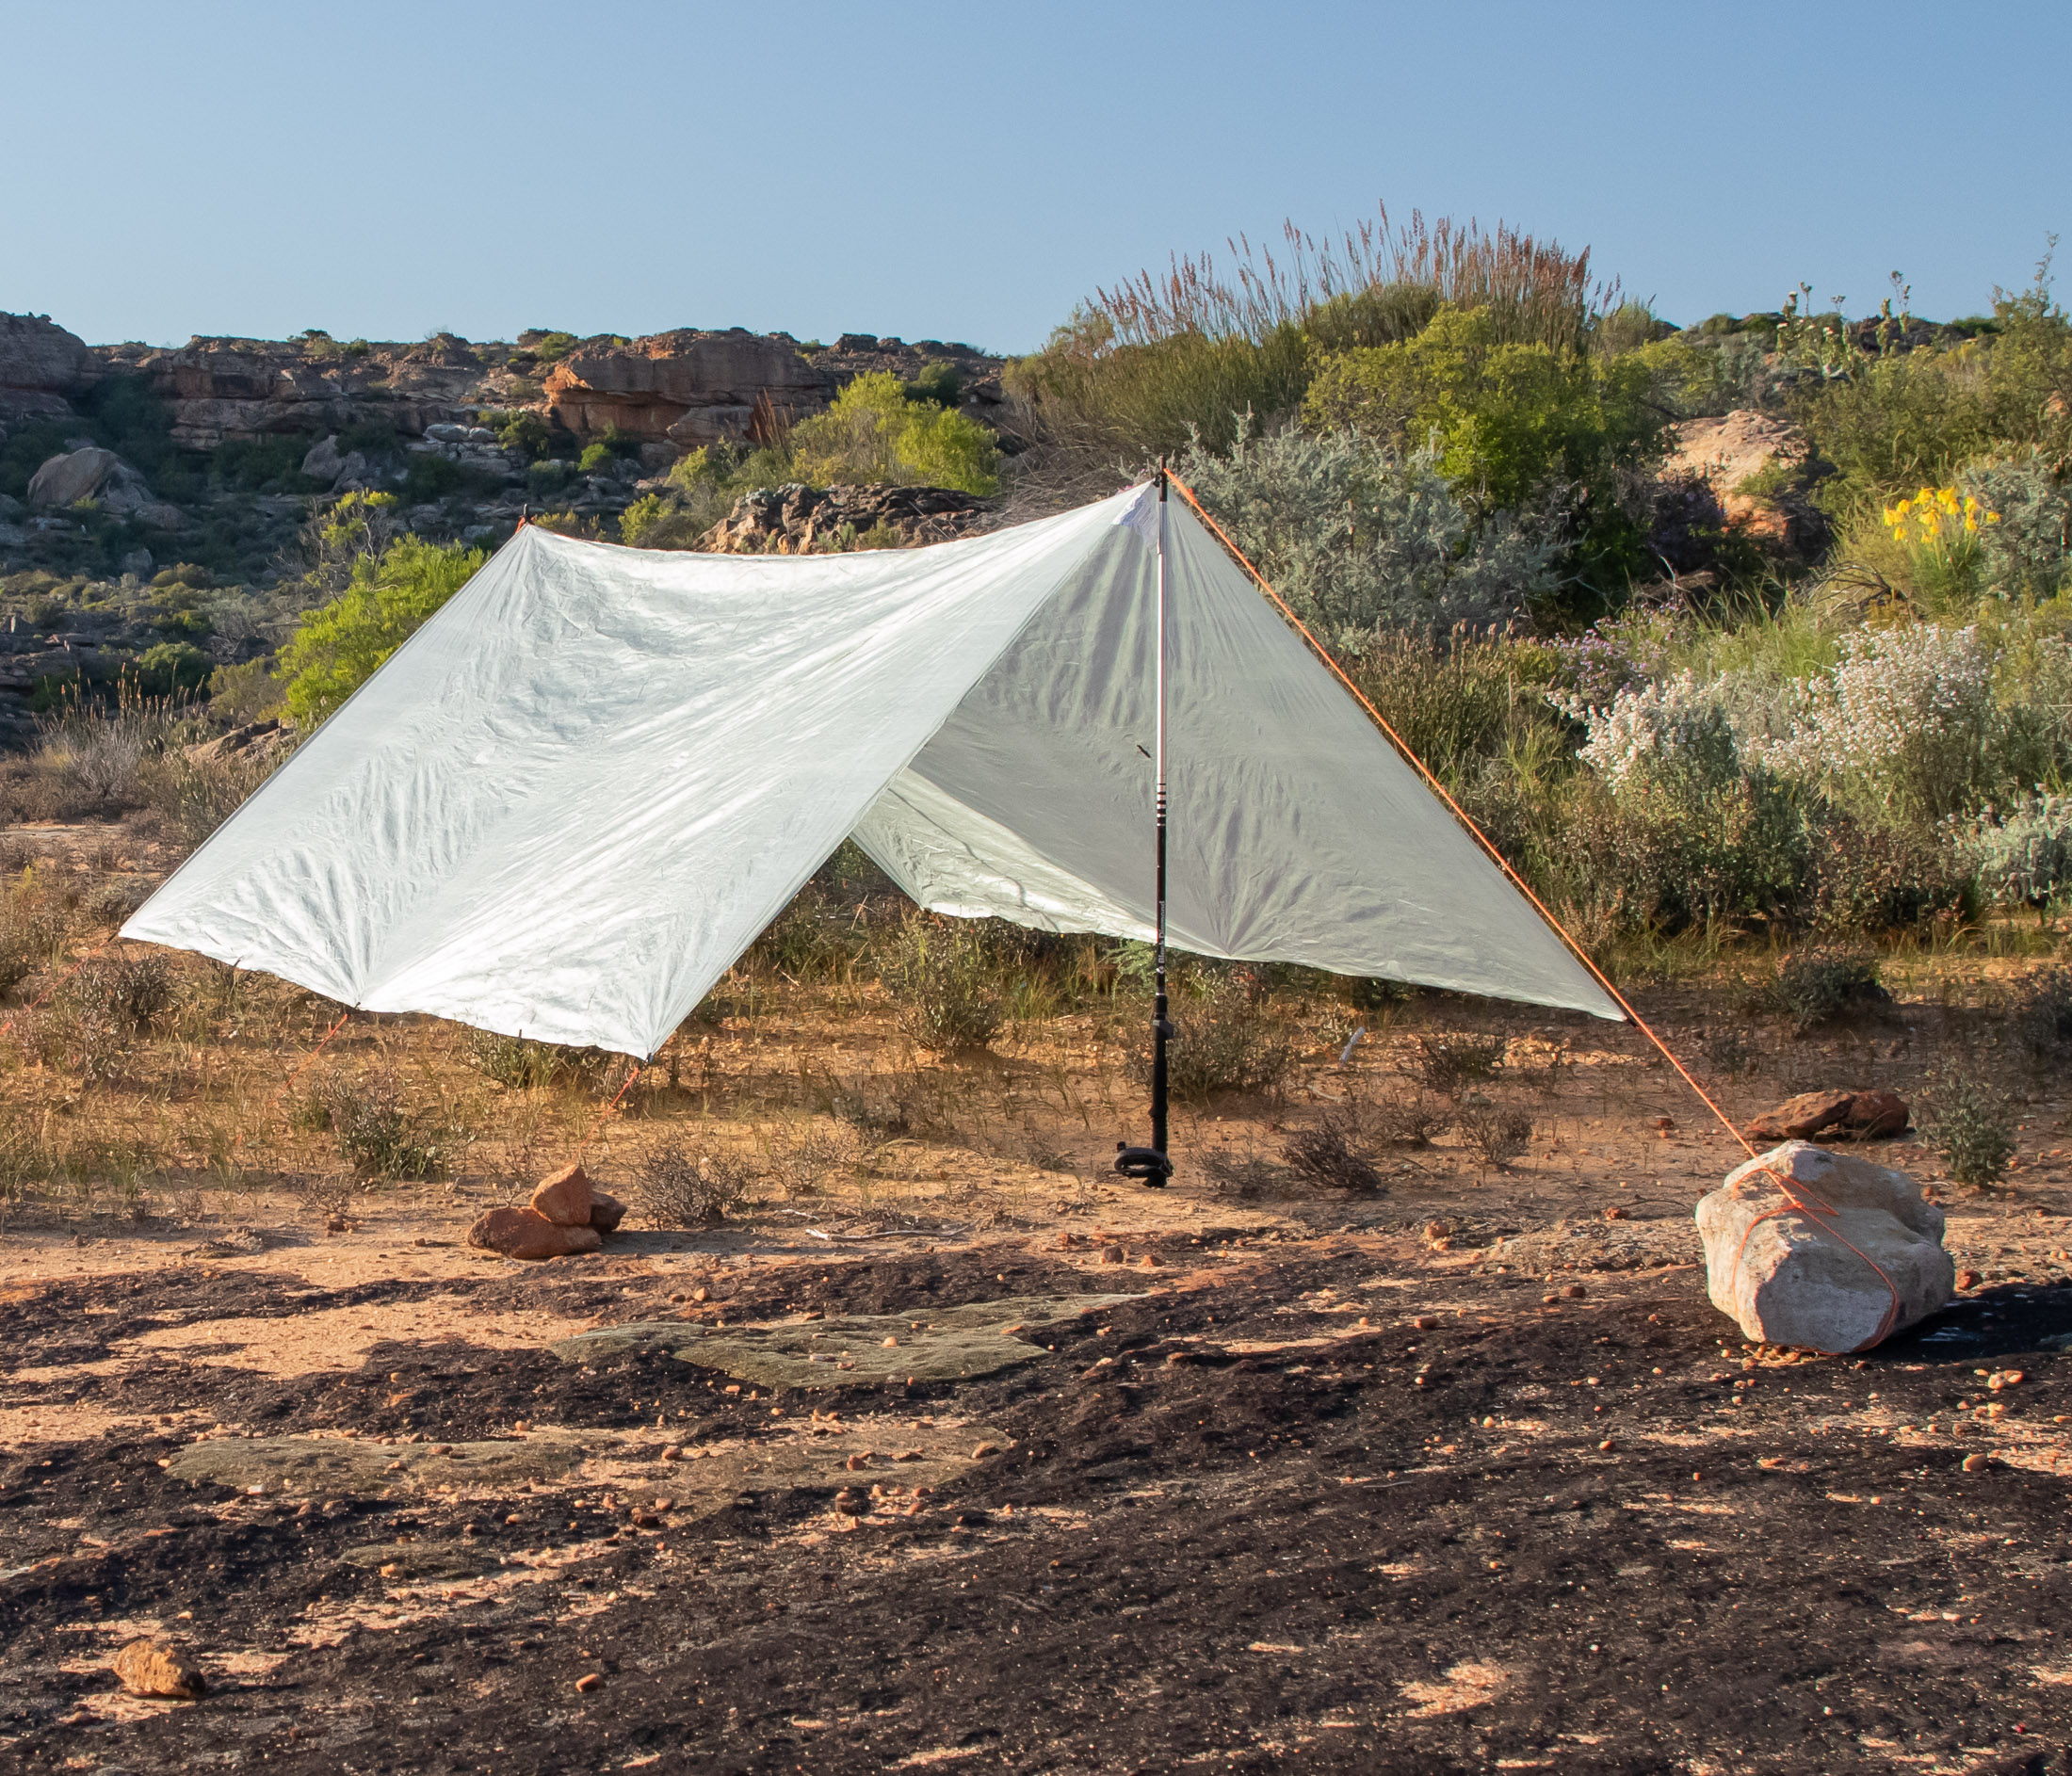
[421, 1559]
[331, 1465]
[952, 1343]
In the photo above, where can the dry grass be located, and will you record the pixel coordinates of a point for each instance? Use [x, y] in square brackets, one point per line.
[152, 1083]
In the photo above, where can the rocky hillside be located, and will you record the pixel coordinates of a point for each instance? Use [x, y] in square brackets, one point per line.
[151, 498]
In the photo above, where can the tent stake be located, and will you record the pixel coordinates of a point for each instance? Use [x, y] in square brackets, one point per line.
[1152, 1166]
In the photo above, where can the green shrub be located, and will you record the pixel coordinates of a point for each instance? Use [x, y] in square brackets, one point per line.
[1361, 541]
[376, 1134]
[338, 647]
[526, 432]
[1884, 877]
[944, 984]
[1508, 417]
[936, 382]
[2022, 857]
[596, 457]
[872, 432]
[2042, 1016]
[1817, 986]
[1968, 1122]
[519, 1062]
[1226, 1037]
[171, 668]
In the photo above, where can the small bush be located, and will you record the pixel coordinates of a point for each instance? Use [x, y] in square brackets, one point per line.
[518, 1062]
[1226, 1039]
[1967, 1121]
[677, 1190]
[1327, 1152]
[944, 987]
[2042, 1016]
[873, 432]
[1824, 986]
[125, 992]
[1446, 1064]
[1498, 1132]
[375, 1134]
[2024, 856]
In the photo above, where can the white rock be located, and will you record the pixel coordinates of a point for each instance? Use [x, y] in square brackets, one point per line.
[1788, 1280]
[323, 461]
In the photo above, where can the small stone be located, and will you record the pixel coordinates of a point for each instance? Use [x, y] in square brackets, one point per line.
[890, 1342]
[674, 1453]
[1112, 1254]
[522, 1426]
[1574, 1292]
[1614, 1213]
[1424, 1322]
[859, 1462]
[588, 1681]
[159, 1668]
[1608, 1445]
[1149, 1261]
[606, 1211]
[389, 1569]
[701, 1294]
[565, 1198]
[982, 1450]
[335, 1224]
[1968, 1279]
[665, 1504]
[1976, 1464]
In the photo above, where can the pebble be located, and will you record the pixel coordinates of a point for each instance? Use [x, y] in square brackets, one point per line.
[982, 1450]
[588, 1681]
[159, 1668]
[1975, 1464]
[672, 1453]
[1424, 1322]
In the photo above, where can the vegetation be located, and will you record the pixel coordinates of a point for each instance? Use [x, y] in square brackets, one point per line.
[391, 587]
[875, 430]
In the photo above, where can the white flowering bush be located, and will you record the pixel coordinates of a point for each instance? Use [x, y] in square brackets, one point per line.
[1906, 722]
[1361, 541]
[2022, 855]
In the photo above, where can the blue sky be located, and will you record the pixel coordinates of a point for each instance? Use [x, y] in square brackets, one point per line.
[967, 172]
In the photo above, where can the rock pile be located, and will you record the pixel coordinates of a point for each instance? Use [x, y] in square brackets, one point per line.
[567, 1215]
[794, 520]
[1832, 1281]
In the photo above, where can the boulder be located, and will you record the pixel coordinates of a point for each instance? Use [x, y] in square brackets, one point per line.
[527, 1233]
[1758, 470]
[794, 519]
[564, 1198]
[322, 462]
[606, 1211]
[1787, 1277]
[159, 1668]
[75, 474]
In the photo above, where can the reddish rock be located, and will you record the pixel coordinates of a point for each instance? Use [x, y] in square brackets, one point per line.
[606, 1211]
[1876, 1115]
[159, 1668]
[1800, 1118]
[527, 1233]
[565, 1198]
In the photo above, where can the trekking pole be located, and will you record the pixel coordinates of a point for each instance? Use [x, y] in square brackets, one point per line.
[1152, 1166]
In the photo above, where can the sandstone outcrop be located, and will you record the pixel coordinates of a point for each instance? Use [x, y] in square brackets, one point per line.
[41, 367]
[1813, 1281]
[1758, 470]
[794, 520]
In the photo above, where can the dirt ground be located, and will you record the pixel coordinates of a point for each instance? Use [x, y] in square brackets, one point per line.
[949, 1450]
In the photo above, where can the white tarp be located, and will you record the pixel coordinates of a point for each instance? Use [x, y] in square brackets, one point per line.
[576, 794]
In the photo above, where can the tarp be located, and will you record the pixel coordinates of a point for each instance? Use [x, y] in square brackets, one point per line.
[571, 801]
